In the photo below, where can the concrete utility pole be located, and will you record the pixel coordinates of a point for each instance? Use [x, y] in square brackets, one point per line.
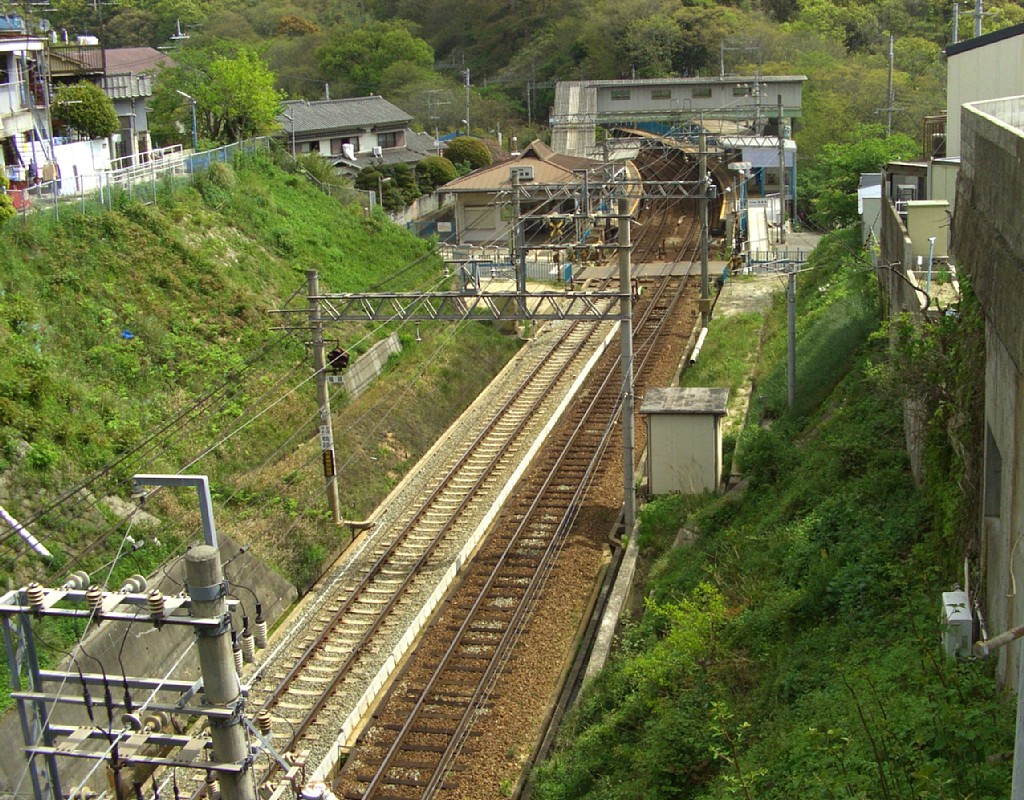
[705, 294]
[467, 101]
[978, 14]
[782, 177]
[626, 288]
[890, 97]
[956, 23]
[323, 395]
[791, 354]
[208, 590]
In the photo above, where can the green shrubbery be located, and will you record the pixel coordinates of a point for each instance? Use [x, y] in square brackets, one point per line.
[793, 650]
[139, 339]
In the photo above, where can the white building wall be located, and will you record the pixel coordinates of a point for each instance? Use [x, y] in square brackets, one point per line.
[992, 71]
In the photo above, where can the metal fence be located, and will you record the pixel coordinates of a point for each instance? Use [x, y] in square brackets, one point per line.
[771, 261]
[137, 177]
[495, 263]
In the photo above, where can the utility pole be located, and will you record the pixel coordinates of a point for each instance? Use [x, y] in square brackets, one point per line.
[518, 249]
[705, 294]
[978, 14]
[782, 176]
[891, 94]
[791, 320]
[322, 395]
[626, 336]
[956, 23]
[207, 590]
[467, 101]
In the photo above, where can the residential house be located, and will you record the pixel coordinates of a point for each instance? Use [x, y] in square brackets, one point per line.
[483, 208]
[353, 132]
[128, 82]
[24, 125]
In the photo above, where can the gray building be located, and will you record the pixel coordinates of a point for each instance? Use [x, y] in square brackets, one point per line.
[581, 106]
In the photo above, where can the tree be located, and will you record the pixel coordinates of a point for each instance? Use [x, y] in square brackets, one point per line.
[233, 91]
[360, 56]
[85, 108]
[468, 150]
[434, 171]
[831, 184]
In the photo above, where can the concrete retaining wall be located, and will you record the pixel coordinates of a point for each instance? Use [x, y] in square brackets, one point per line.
[988, 242]
[369, 365]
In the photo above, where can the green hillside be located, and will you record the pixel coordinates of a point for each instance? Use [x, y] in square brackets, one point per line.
[138, 339]
[790, 647]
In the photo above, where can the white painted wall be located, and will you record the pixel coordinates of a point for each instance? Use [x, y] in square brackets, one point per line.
[984, 73]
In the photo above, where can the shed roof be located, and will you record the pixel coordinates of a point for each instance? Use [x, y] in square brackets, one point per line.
[321, 116]
[676, 400]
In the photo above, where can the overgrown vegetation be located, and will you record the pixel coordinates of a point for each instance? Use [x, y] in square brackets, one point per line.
[138, 340]
[792, 650]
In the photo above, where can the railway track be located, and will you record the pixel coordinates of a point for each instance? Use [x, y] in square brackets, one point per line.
[316, 689]
[318, 680]
[427, 716]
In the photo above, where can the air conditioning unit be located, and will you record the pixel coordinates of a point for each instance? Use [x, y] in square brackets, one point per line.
[525, 173]
[378, 151]
[906, 191]
[957, 624]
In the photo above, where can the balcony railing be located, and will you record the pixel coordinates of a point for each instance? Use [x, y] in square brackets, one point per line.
[15, 97]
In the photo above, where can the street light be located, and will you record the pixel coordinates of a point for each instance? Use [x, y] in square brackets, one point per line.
[381, 180]
[291, 124]
[195, 138]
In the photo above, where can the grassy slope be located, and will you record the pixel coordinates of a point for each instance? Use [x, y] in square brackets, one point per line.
[793, 650]
[138, 340]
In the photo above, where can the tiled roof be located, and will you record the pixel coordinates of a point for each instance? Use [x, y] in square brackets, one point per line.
[136, 60]
[548, 167]
[320, 116]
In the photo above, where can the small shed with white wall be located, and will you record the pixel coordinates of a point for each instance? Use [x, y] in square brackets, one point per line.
[684, 439]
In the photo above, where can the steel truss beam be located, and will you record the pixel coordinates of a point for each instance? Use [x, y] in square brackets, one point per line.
[457, 306]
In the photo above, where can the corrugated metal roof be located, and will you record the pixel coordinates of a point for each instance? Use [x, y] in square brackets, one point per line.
[127, 86]
[320, 116]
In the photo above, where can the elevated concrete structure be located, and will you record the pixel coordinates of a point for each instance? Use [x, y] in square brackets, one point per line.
[988, 243]
[580, 106]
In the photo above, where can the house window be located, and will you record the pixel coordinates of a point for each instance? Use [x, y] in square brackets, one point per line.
[314, 147]
[336, 144]
[661, 94]
[389, 139]
[701, 91]
[740, 91]
[620, 94]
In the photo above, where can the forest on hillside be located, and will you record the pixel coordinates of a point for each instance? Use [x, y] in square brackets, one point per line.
[421, 55]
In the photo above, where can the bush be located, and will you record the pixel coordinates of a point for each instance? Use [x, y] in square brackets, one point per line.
[7, 209]
[434, 171]
[468, 150]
